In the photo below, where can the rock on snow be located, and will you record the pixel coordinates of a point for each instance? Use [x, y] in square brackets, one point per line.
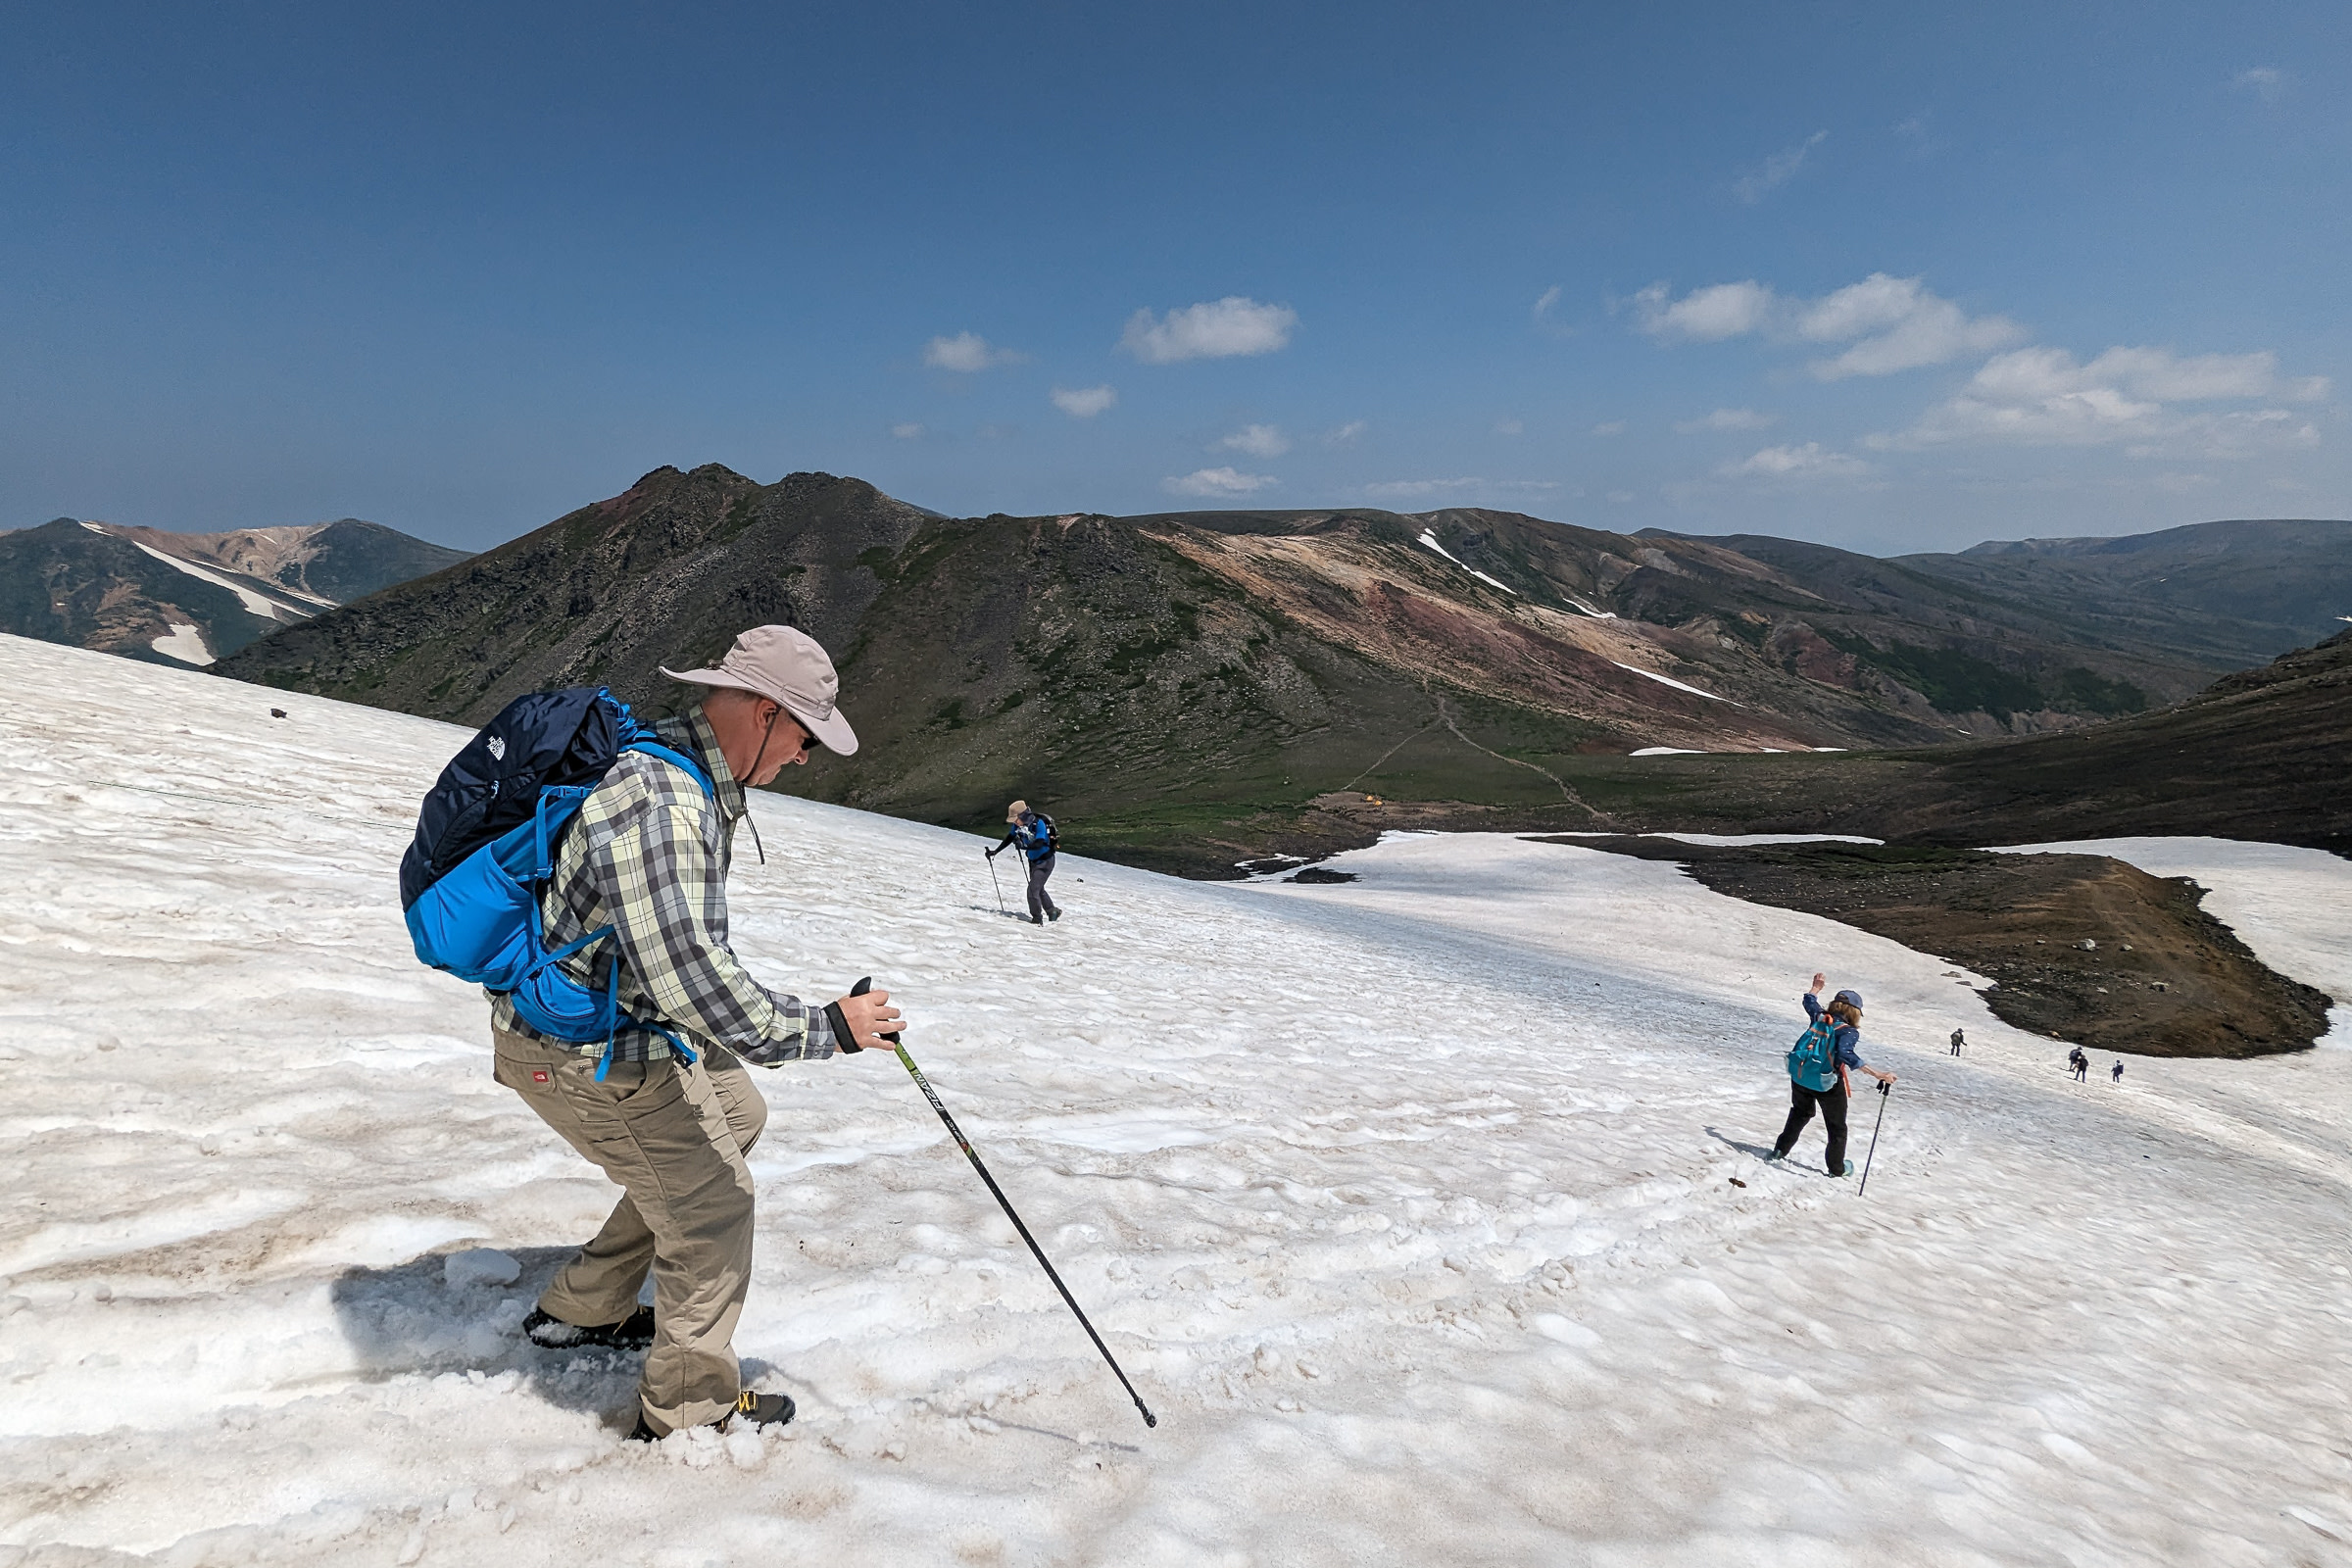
[1405, 1201]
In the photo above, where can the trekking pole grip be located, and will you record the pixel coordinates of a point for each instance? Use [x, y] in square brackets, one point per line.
[860, 990]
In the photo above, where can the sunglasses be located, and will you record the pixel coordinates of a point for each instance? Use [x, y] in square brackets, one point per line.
[808, 740]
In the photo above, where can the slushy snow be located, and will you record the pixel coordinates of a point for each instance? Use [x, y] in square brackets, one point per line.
[1408, 1202]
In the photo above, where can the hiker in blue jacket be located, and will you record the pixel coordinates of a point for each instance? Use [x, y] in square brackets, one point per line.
[1034, 832]
[1824, 1085]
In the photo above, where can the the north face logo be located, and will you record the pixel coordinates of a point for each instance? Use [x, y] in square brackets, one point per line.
[498, 747]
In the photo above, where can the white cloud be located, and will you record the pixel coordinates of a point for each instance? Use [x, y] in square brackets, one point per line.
[1214, 329]
[1725, 420]
[1778, 170]
[1225, 481]
[2266, 82]
[1705, 315]
[1257, 440]
[1792, 462]
[1346, 434]
[1900, 327]
[1609, 427]
[2042, 397]
[1083, 402]
[967, 351]
[1892, 323]
[1509, 427]
[1546, 301]
[907, 432]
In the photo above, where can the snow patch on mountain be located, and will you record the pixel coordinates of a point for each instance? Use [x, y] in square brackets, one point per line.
[255, 602]
[184, 643]
[1668, 680]
[1431, 540]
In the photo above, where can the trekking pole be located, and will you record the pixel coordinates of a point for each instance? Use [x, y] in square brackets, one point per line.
[1873, 1138]
[998, 886]
[924, 1084]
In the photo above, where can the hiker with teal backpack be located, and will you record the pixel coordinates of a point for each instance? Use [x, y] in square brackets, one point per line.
[1034, 832]
[1817, 1073]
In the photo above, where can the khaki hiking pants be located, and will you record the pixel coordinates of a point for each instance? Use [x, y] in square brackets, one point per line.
[673, 1138]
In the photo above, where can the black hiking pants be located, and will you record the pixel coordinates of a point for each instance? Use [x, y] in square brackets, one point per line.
[1041, 902]
[1831, 1101]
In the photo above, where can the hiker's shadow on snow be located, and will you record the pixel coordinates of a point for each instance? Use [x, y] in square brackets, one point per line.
[1722, 1137]
[416, 1318]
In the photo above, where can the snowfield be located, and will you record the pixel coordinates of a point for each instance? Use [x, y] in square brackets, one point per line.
[1411, 1205]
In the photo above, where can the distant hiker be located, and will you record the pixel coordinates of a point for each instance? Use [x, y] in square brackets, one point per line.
[1959, 1038]
[2078, 1064]
[669, 1113]
[1034, 832]
[1817, 1073]
[2117, 1076]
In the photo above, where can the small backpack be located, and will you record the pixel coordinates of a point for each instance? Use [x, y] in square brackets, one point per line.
[1813, 1059]
[485, 847]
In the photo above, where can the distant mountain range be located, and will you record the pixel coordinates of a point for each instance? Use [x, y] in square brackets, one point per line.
[190, 598]
[2218, 595]
[2261, 754]
[1189, 688]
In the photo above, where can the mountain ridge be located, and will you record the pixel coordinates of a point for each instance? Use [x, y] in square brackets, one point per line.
[1192, 687]
[147, 593]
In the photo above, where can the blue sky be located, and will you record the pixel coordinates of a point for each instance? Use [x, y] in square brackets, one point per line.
[1892, 277]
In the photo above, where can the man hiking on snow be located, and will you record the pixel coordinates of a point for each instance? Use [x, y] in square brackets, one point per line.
[648, 856]
[1959, 1038]
[1817, 1079]
[1034, 832]
[2078, 1064]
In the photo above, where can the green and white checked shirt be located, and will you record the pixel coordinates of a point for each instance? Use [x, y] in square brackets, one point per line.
[647, 855]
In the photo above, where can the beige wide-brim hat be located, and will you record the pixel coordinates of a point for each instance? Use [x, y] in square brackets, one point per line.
[786, 666]
[1012, 812]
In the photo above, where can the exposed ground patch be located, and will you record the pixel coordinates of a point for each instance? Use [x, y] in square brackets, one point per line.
[2081, 947]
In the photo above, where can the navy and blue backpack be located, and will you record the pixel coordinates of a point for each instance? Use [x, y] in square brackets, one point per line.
[485, 847]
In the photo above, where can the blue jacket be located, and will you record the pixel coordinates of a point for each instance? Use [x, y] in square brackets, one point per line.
[1031, 835]
[1848, 1037]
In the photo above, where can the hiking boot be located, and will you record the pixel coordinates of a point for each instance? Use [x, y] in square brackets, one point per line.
[1848, 1171]
[751, 1410]
[1053, 914]
[632, 1333]
[1776, 1156]
[1036, 919]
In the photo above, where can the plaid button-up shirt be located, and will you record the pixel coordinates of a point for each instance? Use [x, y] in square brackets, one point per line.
[647, 855]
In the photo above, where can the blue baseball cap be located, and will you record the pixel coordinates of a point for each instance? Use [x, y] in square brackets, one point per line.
[1852, 999]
